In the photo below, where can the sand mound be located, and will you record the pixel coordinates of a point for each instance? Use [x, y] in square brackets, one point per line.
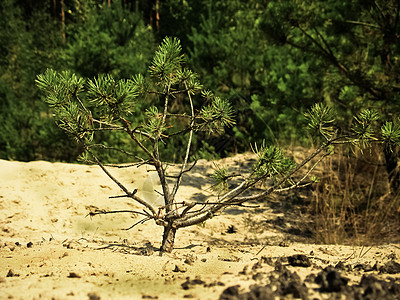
[51, 249]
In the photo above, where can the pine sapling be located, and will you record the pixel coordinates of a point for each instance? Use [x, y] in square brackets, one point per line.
[87, 108]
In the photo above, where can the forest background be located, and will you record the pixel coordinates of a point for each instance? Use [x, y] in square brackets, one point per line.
[272, 59]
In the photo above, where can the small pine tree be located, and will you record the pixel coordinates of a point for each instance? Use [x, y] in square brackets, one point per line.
[84, 108]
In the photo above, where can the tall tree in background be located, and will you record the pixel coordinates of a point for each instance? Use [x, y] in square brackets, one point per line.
[357, 41]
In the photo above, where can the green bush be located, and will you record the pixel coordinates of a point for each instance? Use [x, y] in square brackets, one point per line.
[111, 40]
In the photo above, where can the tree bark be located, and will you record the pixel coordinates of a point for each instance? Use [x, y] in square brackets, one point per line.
[63, 21]
[157, 16]
[168, 239]
[54, 8]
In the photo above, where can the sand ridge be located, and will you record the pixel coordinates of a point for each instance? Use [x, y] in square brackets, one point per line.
[51, 249]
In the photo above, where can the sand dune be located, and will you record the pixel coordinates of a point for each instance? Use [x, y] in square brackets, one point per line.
[51, 249]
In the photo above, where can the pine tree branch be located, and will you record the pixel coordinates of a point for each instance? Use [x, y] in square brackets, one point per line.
[232, 197]
[148, 217]
[104, 129]
[156, 156]
[110, 125]
[298, 183]
[358, 80]
[129, 194]
[189, 143]
[138, 164]
[136, 140]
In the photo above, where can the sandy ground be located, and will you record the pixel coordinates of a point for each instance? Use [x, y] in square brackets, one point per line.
[51, 249]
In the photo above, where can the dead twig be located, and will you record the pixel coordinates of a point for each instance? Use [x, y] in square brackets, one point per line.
[106, 212]
[144, 220]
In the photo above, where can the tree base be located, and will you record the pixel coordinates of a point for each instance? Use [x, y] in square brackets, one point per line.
[168, 239]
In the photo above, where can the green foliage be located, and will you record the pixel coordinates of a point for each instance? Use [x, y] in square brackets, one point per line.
[62, 94]
[364, 127]
[221, 178]
[177, 17]
[269, 84]
[272, 60]
[355, 41]
[167, 61]
[320, 118]
[217, 115]
[87, 109]
[60, 87]
[15, 135]
[363, 133]
[29, 42]
[207, 151]
[154, 123]
[271, 163]
[111, 40]
[114, 98]
[391, 133]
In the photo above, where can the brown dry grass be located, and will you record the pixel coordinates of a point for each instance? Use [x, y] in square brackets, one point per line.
[352, 202]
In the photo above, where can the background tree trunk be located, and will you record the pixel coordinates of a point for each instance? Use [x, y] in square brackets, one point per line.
[63, 21]
[392, 157]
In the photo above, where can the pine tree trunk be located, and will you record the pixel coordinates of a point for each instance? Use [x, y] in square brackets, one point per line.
[168, 239]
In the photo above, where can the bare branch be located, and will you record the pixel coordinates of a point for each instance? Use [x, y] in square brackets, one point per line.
[123, 196]
[292, 187]
[184, 171]
[139, 222]
[138, 164]
[108, 124]
[186, 210]
[104, 129]
[362, 24]
[298, 183]
[106, 212]
[136, 140]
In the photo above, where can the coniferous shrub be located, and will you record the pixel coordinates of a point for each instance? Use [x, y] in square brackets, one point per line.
[85, 107]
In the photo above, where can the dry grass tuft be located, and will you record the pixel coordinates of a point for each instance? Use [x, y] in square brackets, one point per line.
[352, 203]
